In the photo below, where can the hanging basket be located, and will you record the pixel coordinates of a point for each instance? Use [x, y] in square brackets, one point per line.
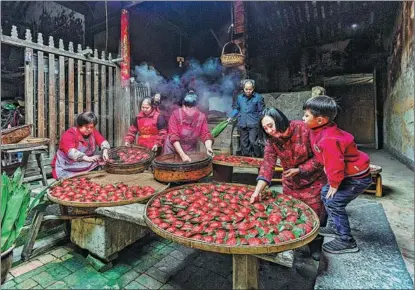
[232, 59]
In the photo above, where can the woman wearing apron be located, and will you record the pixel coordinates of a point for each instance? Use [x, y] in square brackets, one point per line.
[150, 127]
[77, 147]
[188, 126]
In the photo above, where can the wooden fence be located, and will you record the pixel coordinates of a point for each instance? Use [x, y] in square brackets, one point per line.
[59, 84]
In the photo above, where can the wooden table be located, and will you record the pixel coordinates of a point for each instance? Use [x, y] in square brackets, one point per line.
[223, 171]
[28, 146]
[245, 264]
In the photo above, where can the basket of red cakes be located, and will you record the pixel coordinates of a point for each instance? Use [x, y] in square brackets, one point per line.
[128, 160]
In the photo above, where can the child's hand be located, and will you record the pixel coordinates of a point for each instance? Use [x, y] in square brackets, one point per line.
[332, 191]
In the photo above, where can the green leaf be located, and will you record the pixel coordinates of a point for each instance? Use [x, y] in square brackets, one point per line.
[17, 178]
[5, 193]
[261, 232]
[219, 128]
[13, 211]
[298, 232]
[39, 199]
[270, 237]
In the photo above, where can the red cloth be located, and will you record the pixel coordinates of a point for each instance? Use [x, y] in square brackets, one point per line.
[338, 152]
[147, 129]
[73, 139]
[295, 152]
[197, 122]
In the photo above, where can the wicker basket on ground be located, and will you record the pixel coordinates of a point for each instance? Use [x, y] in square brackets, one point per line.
[117, 166]
[15, 134]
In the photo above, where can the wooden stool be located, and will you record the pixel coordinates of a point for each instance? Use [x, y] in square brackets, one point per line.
[375, 170]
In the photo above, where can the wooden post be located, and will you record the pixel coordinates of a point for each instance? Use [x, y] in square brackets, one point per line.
[40, 90]
[103, 115]
[245, 272]
[29, 82]
[71, 88]
[96, 88]
[52, 101]
[110, 133]
[80, 79]
[62, 107]
[88, 86]
[123, 76]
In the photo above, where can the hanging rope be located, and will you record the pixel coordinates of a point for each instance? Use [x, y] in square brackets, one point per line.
[106, 27]
[230, 29]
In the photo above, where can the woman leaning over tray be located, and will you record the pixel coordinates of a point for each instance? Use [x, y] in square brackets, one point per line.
[187, 126]
[76, 153]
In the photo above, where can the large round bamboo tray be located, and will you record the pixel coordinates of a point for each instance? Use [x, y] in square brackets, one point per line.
[226, 249]
[130, 168]
[104, 178]
[171, 168]
[233, 164]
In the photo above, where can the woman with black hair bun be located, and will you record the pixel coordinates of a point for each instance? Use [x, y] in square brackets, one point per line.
[187, 126]
[77, 147]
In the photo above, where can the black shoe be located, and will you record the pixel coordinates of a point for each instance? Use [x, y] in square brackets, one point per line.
[338, 246]
[328, 232]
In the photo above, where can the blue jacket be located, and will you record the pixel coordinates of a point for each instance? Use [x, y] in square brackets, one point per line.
[248, 110]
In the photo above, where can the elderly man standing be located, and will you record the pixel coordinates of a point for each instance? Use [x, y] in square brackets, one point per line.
[247, 108]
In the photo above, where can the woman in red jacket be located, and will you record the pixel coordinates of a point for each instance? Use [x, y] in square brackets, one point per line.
[150, 127]
[77, 147]
[187, 126]
[303, 176]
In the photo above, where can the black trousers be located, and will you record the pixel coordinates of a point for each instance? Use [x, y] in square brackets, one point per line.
[249, 142]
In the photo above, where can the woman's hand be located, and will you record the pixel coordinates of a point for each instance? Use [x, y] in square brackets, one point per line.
[209, 151]
[185, 158]
[256, 196]
[291, 172]
[105, 155]
[91, 159]
[127, 144]
[155, 148]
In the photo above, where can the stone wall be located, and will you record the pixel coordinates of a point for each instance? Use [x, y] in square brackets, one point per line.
[291, 104]
[398, 112]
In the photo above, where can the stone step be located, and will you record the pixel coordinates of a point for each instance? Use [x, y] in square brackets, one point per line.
[378, 264]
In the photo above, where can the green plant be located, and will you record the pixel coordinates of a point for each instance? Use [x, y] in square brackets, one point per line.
[15, 207]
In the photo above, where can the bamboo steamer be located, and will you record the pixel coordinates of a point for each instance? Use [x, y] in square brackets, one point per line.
[128, 168]
[171, 168]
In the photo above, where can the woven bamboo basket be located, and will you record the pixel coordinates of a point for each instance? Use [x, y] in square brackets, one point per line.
[130, 168]
[15, 134]
[232, 59]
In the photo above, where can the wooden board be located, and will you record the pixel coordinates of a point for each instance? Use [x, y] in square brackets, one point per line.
[226, 249]
[26, 143]
[104, 178]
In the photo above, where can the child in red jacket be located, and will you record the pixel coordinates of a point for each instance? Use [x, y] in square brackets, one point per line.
[346, 167]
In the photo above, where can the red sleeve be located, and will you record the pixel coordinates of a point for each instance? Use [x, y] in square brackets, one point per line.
[98, 137]
[311, 164]
[69, 140]
[268, 165]
[174, 128]
[333, 159]
[132, 132]
[204, 130]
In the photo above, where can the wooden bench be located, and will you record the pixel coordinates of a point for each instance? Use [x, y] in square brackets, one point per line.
[375, 170]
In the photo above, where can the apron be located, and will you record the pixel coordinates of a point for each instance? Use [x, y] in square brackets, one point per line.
[189, 136]
[66, 167]
[148, 131]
